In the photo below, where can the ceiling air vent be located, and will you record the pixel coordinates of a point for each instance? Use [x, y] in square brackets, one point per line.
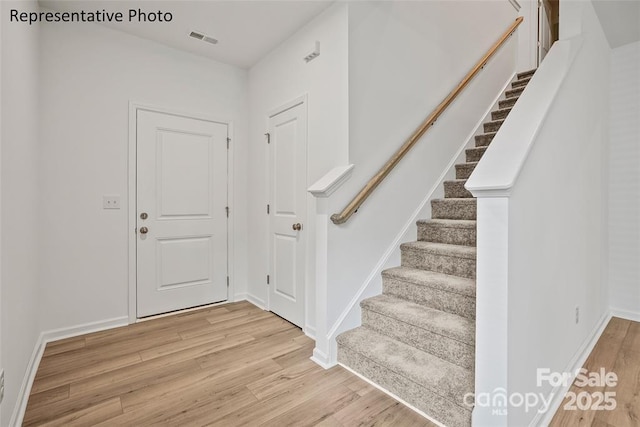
[203, 37]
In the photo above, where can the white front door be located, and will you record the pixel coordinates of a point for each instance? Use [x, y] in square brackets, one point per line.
[287, 212]
[181, 212]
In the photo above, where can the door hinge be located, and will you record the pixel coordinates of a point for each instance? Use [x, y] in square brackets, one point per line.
[268, 135]
[227, 209]
[267, 279]
[268, 209]
[227, 281]
[228, 142]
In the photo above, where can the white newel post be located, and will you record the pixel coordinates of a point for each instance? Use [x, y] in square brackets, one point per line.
[492, 300]
[323, 353]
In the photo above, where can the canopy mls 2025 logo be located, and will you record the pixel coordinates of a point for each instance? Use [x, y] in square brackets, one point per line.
[131, 15]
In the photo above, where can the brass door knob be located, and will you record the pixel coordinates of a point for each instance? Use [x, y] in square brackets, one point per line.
[297, 226]
[144, 230]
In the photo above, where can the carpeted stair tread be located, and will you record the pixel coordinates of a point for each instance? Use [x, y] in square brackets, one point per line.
[458, 251]
[433, 279]
[526, 74]
[464, 170]
[455, 189]
[457, 260]
[514, 92]
[444, 292]
[492, 126]
[436, 321]
[475, 153]
[521, 82]
[453, 208]
[500, 114]
[484, 139]
[452, 232]
[439, 376]
[507, 103]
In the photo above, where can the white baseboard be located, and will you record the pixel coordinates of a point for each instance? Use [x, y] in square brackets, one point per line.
[559, 392]
[38, 350]
[625, 314]
[310, 331]
[256, 301]
[321, 359]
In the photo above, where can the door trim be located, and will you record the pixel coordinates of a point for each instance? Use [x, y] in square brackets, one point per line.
[300, 100]
[134, 107]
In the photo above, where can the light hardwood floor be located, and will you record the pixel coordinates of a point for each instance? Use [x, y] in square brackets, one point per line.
[617, 351]
[228, 365]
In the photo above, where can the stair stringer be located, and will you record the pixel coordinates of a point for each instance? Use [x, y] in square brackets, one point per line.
[351, 316]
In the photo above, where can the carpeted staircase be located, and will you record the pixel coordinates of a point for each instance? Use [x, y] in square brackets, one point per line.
[417, 339]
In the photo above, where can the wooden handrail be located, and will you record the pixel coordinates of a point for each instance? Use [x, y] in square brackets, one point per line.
[366, 191]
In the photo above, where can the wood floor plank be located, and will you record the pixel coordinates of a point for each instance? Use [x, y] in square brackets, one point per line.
[62, 346]
[89, 416]
[226, 365]
[316, 409]
[627, 411]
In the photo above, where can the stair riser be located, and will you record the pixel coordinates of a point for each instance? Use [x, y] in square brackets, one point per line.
[484, 140]
[500, 114]
[453, 209]
[514, 92]
[447, 412]
[428, 232]
[464, 170]
[460, 305]
[441, 346]
[507, 103]
[475, 154]
[492, 126]
[447, 264]
[456, 190]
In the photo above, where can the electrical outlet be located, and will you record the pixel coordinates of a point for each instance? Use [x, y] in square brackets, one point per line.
[577, 314]
[1, 385]
[111, 202]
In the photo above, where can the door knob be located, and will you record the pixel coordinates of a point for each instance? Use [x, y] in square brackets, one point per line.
[144, 215]
[144, 230]
[297, 226]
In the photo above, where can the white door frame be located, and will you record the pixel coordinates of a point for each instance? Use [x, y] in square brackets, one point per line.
[132, 213]
[307, 225]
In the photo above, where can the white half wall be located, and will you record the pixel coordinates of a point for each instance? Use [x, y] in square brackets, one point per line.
[280, 77]
[20, 220]
[88, 76]
[624, 182]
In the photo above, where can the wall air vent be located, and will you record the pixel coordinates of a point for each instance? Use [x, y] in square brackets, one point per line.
[203, 37]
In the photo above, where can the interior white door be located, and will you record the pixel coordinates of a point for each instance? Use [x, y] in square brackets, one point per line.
[287, 212]
[544, 30]
[181, 212]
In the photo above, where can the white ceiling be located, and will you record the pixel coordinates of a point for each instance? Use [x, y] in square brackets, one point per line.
[246, 30]
[620, 20]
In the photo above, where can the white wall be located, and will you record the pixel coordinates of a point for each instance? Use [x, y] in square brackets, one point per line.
[20, 220]
[624, 181]
[88, 76]
[404, 58]
[277, 79]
